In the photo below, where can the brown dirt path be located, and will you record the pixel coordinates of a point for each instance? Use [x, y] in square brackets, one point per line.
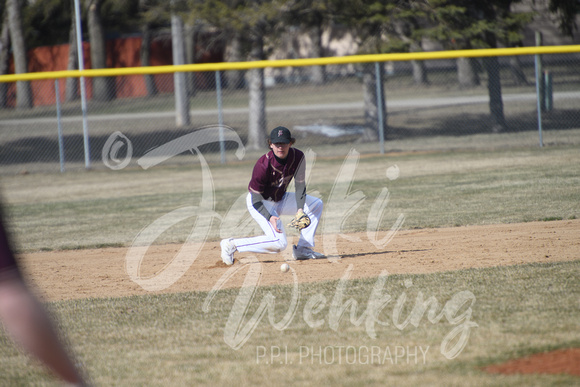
[63, 275]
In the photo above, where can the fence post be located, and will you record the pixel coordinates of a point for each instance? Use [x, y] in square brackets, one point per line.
[83, 86]
[218, 88]
[59, 124]
[548, 91]
[539, 87]
[540, 65]
[380, 118]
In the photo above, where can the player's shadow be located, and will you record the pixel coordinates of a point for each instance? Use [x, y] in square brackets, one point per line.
[355, 255]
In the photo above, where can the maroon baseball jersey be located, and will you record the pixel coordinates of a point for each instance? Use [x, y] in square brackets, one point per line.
[270, 178]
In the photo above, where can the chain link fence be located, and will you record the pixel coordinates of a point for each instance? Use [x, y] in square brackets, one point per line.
[429, 105]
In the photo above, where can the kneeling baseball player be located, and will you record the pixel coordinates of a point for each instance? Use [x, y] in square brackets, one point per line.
[268, 199]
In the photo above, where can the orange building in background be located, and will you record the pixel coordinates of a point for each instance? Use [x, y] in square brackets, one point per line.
[123, 52]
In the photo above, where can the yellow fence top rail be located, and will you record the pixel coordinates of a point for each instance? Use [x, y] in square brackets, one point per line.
[111, 72]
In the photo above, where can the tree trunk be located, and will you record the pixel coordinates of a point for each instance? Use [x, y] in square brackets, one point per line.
[72, 83]
[318, 72]
[191, 34]
[257, 120]
[145, 55]
[419, 72]
[370, 101]
[467, 73]
[182, 117]
[404, 31]
[517, 71]
[23, 90]
[419, 68]
[491, 65]
[103, 87]
[4, 57]
[235, 78]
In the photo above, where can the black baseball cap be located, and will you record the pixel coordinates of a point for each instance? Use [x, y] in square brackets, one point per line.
[280, 134]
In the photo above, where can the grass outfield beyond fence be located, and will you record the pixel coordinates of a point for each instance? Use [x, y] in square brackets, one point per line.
[329, 117]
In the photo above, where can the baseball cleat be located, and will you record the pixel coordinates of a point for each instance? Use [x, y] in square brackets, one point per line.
[228, 249]
[302, 252]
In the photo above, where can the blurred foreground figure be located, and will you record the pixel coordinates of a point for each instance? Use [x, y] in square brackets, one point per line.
[26, 321]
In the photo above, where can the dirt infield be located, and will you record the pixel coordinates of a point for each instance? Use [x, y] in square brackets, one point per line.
[63, 275]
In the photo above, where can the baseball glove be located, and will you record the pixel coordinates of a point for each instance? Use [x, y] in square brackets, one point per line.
[300, 221]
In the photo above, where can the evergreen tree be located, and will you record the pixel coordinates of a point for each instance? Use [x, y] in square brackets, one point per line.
[251, 21]
[464, 24]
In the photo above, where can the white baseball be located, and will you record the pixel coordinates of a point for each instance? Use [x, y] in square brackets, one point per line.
[393, 172]
[284, 267]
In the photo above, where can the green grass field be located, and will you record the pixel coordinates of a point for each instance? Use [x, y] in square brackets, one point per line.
[435, 189]
[170, 339]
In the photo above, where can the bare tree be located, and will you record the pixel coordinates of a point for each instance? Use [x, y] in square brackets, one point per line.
[318, 72]
[371, 102]
[182, 117]
[103, 87]
[404, 29]
[151, 15]
[72, 83]
[257, 91]
[191, 33]
[23, 90]
[4, 57]
[255, 19]
[145, 55]
[233, 53]
[467, 72]
[517, 71]
[491, 65]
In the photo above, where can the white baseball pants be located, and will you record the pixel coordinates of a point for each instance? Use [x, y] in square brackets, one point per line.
[273, 242]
